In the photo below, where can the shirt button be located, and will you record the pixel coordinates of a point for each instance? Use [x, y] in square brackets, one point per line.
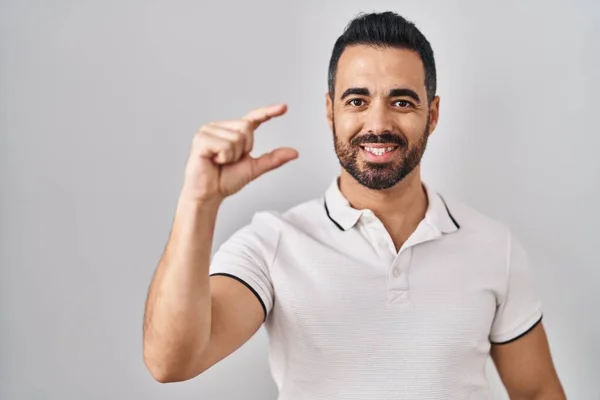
[396, 271]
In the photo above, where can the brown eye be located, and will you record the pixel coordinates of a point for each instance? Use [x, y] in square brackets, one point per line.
[356, 102]
[403, 103]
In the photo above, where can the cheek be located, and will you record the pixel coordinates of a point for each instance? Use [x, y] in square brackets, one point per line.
[412, 126]
[347, 126]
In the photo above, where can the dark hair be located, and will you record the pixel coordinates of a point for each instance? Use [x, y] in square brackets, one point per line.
[385, 29]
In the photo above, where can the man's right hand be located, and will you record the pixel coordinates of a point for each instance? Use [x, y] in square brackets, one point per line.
[220, 163]
[191, 322]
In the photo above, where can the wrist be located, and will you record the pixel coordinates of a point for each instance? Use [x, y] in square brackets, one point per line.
[198, 204]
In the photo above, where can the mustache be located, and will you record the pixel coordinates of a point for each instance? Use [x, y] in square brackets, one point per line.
[386, 137]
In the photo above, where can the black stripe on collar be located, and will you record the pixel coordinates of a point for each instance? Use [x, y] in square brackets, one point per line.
[329, 216]
[342, 229]
[449, 213]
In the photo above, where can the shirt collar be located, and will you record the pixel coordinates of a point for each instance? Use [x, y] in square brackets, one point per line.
[340, 212]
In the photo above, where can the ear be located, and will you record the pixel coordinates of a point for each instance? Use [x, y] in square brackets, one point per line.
[434, 113]
[329, 105]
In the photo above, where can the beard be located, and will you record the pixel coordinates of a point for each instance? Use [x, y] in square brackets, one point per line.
[379, 176]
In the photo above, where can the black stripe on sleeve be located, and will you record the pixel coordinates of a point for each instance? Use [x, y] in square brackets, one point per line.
[521, 335]
[248, 286]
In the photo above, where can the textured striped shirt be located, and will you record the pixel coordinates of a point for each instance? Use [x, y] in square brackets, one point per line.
[349, 317]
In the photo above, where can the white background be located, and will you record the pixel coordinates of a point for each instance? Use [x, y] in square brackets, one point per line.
[98, 105]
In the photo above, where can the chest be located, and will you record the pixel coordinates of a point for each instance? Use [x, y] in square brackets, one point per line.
[416, 299]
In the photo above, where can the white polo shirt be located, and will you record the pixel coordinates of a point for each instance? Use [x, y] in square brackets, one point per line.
[349, 317]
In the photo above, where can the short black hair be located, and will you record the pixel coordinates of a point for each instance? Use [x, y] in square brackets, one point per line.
[386, 29]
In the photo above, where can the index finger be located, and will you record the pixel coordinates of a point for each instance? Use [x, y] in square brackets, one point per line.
[263, 114]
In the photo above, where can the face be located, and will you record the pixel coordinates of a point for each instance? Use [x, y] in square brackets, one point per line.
[380, 116]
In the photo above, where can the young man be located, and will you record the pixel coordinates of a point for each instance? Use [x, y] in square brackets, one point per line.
[382, 289]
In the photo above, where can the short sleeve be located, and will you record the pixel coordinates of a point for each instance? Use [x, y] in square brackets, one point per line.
[248, 255]
[519, 309]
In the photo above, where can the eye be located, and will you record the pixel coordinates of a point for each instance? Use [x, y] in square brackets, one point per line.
[403, 103]
[356, 102]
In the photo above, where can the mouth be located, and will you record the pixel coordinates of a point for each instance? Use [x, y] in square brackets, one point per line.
[380, 152]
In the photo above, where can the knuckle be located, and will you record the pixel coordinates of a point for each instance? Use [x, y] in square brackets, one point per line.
[229, 147]
[202, 131]
[246, 126]
[240, 137]
[198, 138]
[224, 155]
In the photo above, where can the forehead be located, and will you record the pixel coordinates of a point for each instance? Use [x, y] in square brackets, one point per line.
[374, 67]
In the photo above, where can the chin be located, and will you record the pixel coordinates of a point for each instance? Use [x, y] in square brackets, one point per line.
[378, 179]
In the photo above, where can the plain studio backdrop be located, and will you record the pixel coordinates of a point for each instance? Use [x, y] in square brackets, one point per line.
[99, 102]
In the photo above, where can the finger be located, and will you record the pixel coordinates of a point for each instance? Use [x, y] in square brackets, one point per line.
[214, 148]
[238, 139]
[242, 126]
[269, 161]
[260, 115]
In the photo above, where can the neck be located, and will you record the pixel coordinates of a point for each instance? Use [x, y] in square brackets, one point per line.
[400, 208]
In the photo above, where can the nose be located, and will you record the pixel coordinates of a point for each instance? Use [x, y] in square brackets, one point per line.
[378, 118]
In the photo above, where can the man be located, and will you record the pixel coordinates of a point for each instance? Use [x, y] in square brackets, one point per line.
[383, 289]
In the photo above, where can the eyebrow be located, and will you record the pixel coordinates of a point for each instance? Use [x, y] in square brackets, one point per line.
[355, 91]
[361, 91]
[405, 93]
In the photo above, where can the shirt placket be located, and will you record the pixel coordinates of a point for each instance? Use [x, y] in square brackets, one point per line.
[398, 264]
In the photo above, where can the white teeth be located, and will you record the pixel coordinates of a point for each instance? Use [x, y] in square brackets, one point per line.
[379, 151]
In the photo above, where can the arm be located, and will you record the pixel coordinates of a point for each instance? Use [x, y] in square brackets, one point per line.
[520, 347]
[191, 320]
[526, 368]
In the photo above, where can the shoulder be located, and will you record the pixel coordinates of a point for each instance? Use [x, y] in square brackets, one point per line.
[267, 226]
[475, 225]
[298, 216]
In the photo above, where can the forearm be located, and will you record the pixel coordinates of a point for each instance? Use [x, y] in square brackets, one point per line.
[177, 320]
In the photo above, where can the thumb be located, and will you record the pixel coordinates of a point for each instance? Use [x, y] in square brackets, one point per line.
[269, 161]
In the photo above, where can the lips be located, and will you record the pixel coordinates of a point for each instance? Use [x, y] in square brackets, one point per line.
[378, 149]
[386, 139]
[379, 152]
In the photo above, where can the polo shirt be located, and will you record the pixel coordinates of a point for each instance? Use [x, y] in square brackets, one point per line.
[349, 317]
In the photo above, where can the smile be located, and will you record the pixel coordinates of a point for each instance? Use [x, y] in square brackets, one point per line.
[379, 151]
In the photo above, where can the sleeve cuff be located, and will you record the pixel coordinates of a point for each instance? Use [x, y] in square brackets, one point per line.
[262, 303]
[521, 330]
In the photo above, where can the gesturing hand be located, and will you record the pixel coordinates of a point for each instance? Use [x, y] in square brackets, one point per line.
[220, 164]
